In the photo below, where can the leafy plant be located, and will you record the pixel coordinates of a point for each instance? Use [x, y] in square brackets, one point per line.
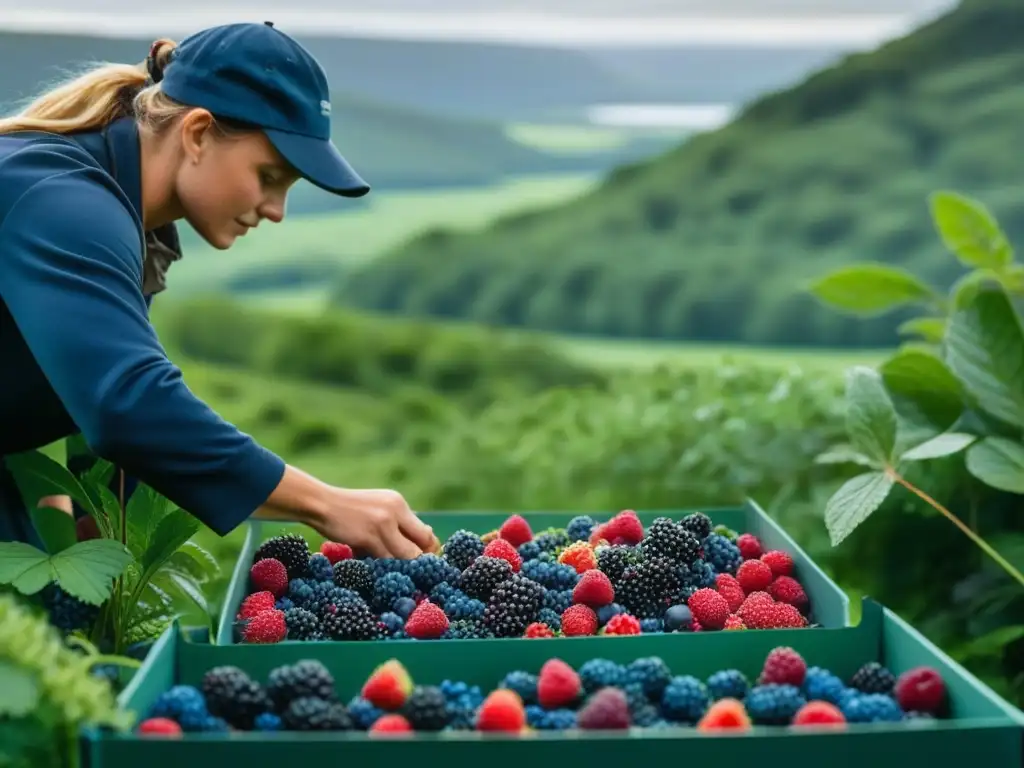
[142, 571]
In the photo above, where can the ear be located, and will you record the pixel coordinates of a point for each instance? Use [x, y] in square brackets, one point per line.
[196, 133]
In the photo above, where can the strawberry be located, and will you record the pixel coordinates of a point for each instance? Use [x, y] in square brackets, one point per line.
[335, 552]
[734, 622]
[819, 713]
[920, 689]
[502, 710]
[624, 528]
[579, 620]
[594, 589]
[558, 685]
[516, 531]
[391, 723]
[254, 604]
[786, 589]
[709, 608]
[754, 576]
[730, 589]
[622, 624]
[725, 715]
[159, 726]
[265, 627]
[504, 550]
[426, 622]
[538, 629]
[780, 562]
[388, 686]
[580, 556]
[783, 666]
[270, 575]
[750, 546]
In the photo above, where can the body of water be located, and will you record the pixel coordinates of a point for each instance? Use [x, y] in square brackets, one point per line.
[687, 117]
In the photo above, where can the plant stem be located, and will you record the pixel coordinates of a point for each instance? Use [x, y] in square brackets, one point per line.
[1003, 563]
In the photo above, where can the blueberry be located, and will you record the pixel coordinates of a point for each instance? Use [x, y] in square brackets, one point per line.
[678, 618]
[403, 606]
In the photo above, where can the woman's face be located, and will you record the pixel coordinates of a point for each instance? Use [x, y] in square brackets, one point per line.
[226, 185]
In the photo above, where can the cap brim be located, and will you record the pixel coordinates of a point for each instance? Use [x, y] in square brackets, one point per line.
[319, 162]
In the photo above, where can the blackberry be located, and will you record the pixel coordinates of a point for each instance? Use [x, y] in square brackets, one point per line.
[873, 678]
[350, 620]
[480, 578]
[651, 672]
[552, 539]
[463, 607]
[363, 713]
[871, 708]
[558, 600]
[443, 592]
[670, 541]
[389, 588]
[325, 594]
[635, 696]
[822, 685]
[320, 568]
[580, 528]
[721, 554]
[292, 550]
[232, 695]
[429, 570]
[300, 592]
[529, 551]
[728, 684]
[614, 560]
[685, 699]
[309, 713]
[652, 626]
[550, 575]
[523, 683]
[773, 704]
[467, 629]
[304, 679]
[698, 524]
[514, 604]
[284, 604]
[646, 590]
[426, 709]
[462, 548]
[355, 575]
[601, 673]
[302, 625]
[645, 716]
[551, 618]
[67, 613]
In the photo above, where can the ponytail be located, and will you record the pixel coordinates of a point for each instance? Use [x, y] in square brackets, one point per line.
[100, 96]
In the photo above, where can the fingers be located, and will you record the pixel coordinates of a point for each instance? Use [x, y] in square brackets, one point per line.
[399, 545]
[421, 534]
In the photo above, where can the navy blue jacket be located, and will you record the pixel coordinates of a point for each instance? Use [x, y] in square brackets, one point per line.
[77, 351]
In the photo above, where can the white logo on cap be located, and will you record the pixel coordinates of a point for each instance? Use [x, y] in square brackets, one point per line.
[325, 108]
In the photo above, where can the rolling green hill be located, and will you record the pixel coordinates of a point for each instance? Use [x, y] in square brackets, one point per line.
[714, 240]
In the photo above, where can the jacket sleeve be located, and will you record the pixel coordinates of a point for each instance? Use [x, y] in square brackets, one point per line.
[71, 276]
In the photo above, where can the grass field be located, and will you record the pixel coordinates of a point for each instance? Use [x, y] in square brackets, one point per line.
[386, 220]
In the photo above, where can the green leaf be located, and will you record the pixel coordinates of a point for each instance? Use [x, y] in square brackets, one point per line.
[192, 591]
[55, 527]
[146, 509]
[18, 558]
[999, 463]
[870, 415]
[985, 349]
[19, 691]
[871, 288]
[173, 530]
[87, 570]
[945, 444]
[194, 561]
[844, 454]
[969, 231]
[928, 328]
[854, 502]
[37, 475]
[923, 389]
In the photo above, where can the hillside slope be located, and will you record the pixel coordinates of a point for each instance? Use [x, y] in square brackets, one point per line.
[714, 240]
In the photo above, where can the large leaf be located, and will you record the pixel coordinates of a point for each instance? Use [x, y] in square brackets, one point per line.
[195, 561]
[19, 690]
[969, 231]
[870, 415]
[37, 475]
[174, 529]
[55, 527]
[928, 328]
[87, 570]
[871, 288]
[844, 454]
[923, 389]
[146, 509]
[945, 444]
[985, 349]
[998, 462]
[854, 502]
[194, 593]
[24, 567]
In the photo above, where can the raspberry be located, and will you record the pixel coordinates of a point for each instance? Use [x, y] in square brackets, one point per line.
[254, 604]
[783, 666]
[516, 531]
[501, 549]
[502, 711]
[754, 576]
[558, 685]
[786, 589]
[335, 552]
[819, 713]
[624, 528]
[427, 622]
[709, 608]
[580, 556]
[921, 689]
[734, 622]
[579, 620]
[725, 714]
[391, 724]
[594, 589]
[727, 586]
[538, 629]
[608, 709]
[758, 610]
[780, 562]
[750, 546]
[159, 726]
[622, 624]
[269, 575]
[785, 616]
[266, 627]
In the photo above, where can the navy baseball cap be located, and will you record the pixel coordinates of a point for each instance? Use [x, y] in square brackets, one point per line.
[256, 74]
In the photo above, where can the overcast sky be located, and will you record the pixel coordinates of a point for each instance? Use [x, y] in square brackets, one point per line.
[854, 23]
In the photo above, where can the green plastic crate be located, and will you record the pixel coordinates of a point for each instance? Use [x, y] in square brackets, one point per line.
[830, 604]
[985, 727]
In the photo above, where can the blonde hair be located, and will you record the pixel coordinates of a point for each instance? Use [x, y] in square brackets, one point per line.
[106, 93]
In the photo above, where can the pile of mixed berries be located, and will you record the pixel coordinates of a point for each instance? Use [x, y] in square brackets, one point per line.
[599, 695]
[611, 578]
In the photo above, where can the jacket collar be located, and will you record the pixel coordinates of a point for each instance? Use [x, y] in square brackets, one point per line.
[117, 149]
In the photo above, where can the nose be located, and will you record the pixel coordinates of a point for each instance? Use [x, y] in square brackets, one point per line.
[273, 210]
